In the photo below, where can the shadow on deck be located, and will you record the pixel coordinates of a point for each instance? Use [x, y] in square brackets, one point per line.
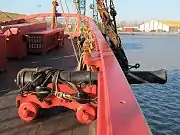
[57, 121]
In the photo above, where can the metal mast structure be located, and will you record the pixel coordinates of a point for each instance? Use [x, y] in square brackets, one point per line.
[82, 6]
[95, 10]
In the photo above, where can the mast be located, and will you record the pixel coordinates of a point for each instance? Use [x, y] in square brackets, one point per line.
[54, 16]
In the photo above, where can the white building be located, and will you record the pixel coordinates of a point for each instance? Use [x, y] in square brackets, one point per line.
[156, 25]
[119, 29]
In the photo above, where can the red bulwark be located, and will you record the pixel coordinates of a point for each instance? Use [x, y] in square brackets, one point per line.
[15, 43]
[118, 111]
[2, 52]
[45, 40]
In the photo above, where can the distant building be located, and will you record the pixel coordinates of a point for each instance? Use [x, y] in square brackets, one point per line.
[119, 29]
[130, 29]
[160, 26]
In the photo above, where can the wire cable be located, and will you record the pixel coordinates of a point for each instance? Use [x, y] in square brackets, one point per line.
[70, 33]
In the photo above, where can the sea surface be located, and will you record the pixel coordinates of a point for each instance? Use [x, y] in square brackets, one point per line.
[159, 103]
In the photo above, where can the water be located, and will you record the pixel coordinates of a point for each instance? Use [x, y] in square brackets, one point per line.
[159, 103]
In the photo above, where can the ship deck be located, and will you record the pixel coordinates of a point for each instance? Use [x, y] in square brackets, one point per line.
[56, 121]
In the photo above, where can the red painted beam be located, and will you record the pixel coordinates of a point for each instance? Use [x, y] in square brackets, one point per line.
[65, 15]
[118, 110]
[33, 16]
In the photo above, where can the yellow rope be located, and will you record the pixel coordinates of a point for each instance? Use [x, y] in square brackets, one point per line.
[81, 65]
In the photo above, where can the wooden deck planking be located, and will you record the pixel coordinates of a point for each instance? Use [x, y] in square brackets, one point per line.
[57, 121]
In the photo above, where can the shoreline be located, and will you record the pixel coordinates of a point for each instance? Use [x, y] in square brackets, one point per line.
[149, 33]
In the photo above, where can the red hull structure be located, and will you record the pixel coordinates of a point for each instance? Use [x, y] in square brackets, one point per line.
[41, 41]
[98, 91]
[123, 115]
[15, 45]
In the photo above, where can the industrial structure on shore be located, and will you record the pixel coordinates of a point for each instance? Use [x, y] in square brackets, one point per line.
[154, 26]
[160, 26]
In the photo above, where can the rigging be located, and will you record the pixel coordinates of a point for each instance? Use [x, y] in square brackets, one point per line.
[110, 30]
[81, 6]
[94, 9]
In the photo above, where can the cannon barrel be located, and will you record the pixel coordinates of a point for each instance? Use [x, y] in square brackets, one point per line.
[78, 76]
[139, 77]
[31, 74]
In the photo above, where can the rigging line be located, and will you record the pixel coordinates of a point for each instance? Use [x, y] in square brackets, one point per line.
[80, 53]
[81, 65]
[76, 23]
[79, 14]
[68, 12]
[78, 11]
[71, 20]
[6, 15]
[67, 19]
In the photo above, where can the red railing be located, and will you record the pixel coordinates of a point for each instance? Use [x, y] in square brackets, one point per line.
[67, 16]
[42, 18]
[118, 111]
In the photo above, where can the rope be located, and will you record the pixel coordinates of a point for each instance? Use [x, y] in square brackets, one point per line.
[69, 11]
[80, 48]
[76, 7]
[69, 32]
[81, 65]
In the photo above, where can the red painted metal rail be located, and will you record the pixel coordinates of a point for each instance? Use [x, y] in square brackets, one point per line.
[67, 16]
[118, 111]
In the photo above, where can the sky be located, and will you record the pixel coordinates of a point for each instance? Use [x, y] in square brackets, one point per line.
[129, 10]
